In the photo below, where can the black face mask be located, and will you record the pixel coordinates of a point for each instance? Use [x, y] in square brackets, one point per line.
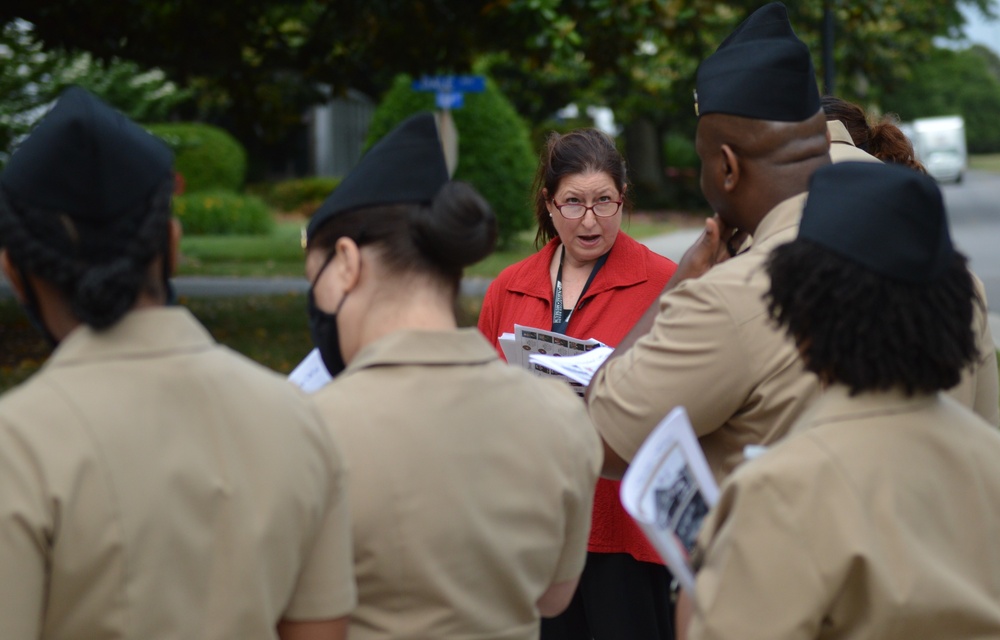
[323, 328]
[326, 337]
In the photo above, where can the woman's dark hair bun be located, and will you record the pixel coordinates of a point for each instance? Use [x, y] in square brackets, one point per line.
[457, 229]
[104, 293]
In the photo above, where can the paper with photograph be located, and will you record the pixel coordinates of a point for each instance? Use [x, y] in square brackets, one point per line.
[527, 342]
[580, 368]
[668, 490]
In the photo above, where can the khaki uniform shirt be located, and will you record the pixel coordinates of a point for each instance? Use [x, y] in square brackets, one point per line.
[471, 486]
[842, 147]
[877, 517]
[714, 350]
[156, 485]
[979, 388]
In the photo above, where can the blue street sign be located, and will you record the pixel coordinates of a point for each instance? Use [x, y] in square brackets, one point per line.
[449, 100]
[448, 84]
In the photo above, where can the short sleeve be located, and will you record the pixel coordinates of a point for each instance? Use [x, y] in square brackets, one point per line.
[325, 588]
[692, 357]
[25, 529]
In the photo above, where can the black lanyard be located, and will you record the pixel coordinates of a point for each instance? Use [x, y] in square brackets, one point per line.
[559, 323]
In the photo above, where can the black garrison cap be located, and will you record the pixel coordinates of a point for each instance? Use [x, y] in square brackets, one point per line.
[761, 71]
[406, 166]
[86, 160]
[887, 218]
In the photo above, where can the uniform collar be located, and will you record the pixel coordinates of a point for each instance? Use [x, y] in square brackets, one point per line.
[836, 404]
[784, 216]
[842, 147]
[626, 266]
[838, 132]
[140, 333]
[422, 347]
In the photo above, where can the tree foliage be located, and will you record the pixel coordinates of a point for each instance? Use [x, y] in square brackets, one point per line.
[494, 152]
[31, 77]
[640, 55]
[262, 62]
[955, 82]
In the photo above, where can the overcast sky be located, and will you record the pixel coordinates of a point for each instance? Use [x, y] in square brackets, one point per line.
[981, 31]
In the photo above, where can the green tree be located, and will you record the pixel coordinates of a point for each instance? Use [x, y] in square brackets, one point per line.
[31, 77]
[258, 62]
[954, 82]
[494, 152]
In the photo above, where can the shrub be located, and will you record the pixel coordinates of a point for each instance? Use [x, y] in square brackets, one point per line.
[494, 148]
[207, 157]
[299, 195]
[223, 213]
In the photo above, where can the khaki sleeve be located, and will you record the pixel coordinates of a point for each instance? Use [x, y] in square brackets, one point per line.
[583, 462]
[692, 357]
[987, 402]
[325, 588]
[979, 388]
[758, 578]
[25, 531]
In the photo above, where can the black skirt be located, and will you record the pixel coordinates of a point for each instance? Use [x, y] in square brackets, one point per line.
[619, 598]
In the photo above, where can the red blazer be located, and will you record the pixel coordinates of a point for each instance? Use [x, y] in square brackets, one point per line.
[629, 282]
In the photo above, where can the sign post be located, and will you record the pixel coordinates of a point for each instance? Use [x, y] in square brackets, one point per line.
[449, 93]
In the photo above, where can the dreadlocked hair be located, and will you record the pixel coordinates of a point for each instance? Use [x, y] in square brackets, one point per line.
[868, 331]
[99, 268]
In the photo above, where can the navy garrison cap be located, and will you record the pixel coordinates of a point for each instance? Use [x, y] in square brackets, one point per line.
[761, 71]
[406, 166]
[887, 218]
[86, 160]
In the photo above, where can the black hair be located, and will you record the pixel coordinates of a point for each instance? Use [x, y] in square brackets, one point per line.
[579, 151]
[457, 229]
[99, 269]
[868, 331]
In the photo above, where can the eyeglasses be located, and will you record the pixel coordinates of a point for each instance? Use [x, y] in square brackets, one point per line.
[576, 211]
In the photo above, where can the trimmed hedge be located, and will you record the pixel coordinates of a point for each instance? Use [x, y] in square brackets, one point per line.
[222, 213]
[298, 195]
[494, 148]
[206, 156]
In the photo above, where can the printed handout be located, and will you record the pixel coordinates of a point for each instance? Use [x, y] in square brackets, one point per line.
[668, 490]
[520, 347]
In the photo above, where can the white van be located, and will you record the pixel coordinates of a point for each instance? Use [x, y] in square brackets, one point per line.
[940, 145]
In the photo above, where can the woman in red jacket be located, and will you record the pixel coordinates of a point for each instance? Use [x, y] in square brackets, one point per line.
[590, 280]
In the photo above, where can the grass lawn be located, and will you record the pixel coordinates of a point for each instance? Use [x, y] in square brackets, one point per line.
[277, 254]
[985, 162]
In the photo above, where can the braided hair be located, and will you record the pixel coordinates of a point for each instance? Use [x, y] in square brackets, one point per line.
[100, 269]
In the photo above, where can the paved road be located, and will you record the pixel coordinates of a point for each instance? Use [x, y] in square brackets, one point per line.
[974, 213]
[974, 210]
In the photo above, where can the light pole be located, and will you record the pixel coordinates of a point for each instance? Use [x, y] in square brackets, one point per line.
[828, 75]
